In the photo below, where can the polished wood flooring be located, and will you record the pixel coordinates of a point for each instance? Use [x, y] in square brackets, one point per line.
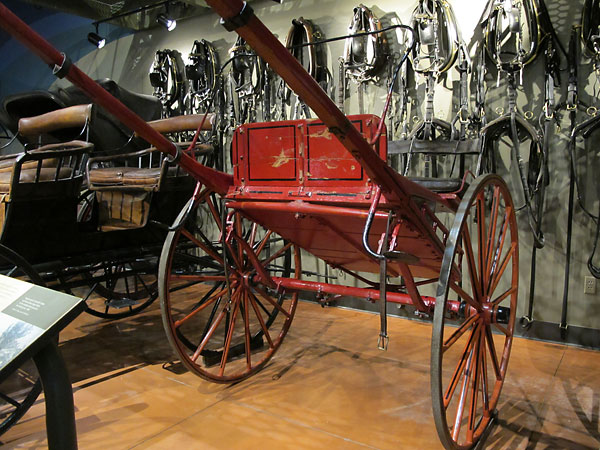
[327, 387]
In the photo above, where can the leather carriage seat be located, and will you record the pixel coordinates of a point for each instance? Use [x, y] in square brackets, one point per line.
[101, 178]
[48, 176]
[46, 163]
[32, 176]
[439, 185]
[125, 176]
[108, 134]
[7, 165]
[124, 192]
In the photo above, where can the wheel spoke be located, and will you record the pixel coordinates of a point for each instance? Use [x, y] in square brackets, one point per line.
[481, 236]
[238, 231]
[230, 329]
[277, 254]
[252, 298]
[468, 247]
[268, 298]
[499, 299]
[459, 332]
[210, 251]
[10, 400]
[498, 275]
[208, 335]
[141, 280]
[237, 262]
[247, 336]
[492, 227]
[460, 409]
[493, 355]
[211, 318]
[458, 371]
[484, 378]
[180, 322]
[263, 242]
[475, 387]
[466, 297]
[126, 281]
[501, 328]
[500, 245]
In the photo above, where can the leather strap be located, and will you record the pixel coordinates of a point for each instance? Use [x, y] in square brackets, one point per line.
[235, 22]
[62, 70]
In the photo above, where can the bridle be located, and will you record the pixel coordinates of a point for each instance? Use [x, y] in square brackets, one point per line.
[436, 50]
[437, 43]
[511, 45]
[508, 44]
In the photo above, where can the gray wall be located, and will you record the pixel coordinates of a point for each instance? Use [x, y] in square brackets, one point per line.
[128, 59]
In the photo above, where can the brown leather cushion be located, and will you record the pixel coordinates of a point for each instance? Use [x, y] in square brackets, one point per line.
[124, 176]
[28, 176]
[6, 165]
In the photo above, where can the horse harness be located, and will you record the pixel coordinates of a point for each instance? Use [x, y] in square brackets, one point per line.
[167, 79]
[245, 80]
[364, 55]
[203, 76]
[300, 41]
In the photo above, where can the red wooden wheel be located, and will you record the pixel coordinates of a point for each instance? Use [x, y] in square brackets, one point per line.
[222, 316]
[470, 353]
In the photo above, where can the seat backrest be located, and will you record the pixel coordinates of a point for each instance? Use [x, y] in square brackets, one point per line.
[440, 158]
[71, 117]
[189, 122]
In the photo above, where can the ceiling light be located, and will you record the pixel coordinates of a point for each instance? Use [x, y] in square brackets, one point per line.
[96, 39]
[166, 21]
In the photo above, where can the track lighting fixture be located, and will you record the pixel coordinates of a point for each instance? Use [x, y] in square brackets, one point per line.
[96, 39]
[166, 21]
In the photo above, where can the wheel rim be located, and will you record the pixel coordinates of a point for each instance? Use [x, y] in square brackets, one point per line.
[122, 289]
[469, 356]
[20, 389]
[222, 321]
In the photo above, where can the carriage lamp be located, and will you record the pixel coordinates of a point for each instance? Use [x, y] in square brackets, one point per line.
[166, 21]
[96, 39]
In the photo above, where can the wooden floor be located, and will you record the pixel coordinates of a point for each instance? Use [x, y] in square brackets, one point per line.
[327, 387]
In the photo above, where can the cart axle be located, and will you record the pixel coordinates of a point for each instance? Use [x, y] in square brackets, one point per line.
[452, 306]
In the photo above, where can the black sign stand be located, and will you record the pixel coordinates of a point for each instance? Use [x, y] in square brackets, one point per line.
[30, 319]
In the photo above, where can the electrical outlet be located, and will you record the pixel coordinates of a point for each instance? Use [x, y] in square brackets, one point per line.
[589, 285]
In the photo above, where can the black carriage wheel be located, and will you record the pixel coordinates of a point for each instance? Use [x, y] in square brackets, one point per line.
[222, 323]
[122, 289]
[470, 353]
[20, 390]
